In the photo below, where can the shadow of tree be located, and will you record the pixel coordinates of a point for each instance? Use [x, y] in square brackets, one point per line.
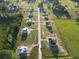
[29, 23]
[11, 27]
[75, 57]
[31, 1]
[23, 56]
[58, 14]
[24, 36]
[50, 30]
[67, 14]
[60, 11]
[55, 51]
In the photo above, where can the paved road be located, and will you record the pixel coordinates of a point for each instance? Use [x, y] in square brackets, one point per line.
[39, 36]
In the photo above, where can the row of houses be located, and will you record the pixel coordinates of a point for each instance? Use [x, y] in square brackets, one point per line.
[23, 50]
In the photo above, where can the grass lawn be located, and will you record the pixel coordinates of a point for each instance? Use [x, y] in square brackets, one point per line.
[69, 32]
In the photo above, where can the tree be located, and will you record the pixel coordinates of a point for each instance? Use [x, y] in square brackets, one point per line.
[77, 19]
[49, 6]
[5, 54]
[8, 54]
[40, 5]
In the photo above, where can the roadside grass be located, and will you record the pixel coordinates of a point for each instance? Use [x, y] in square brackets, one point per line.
[34, 54]
[15, 55]
[44, 30]
[46, 51]
[59, 58]
[31, 37]
[69, 32]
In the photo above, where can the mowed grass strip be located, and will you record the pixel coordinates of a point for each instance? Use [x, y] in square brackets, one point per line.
[34, 54]
[69, 32]
[31, 37]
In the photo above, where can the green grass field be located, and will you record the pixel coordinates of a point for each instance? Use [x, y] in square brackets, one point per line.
[69, 33]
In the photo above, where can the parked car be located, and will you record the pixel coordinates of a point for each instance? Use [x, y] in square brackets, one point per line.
[42, 10]
[52, 41]
[22, 51]
[46, 17]
[31, 10]
[48, 25]
[30, 15]
[29, 22]
[25, 32]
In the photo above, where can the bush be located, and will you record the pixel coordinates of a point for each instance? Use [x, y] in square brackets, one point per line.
[77, 19]
[5, 54]
[40, 5]
[8, 54]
